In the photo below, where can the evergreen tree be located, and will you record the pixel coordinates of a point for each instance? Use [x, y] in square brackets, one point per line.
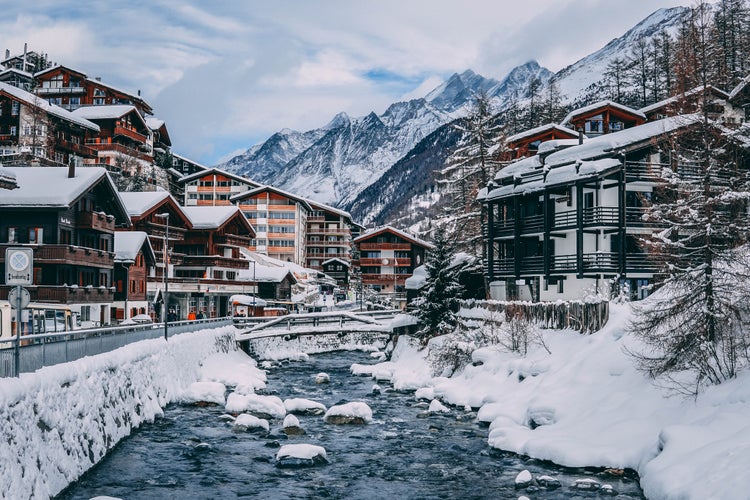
[438, 301]
[553, 109]
[615, 78]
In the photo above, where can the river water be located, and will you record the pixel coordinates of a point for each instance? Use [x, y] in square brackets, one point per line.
[403, 454]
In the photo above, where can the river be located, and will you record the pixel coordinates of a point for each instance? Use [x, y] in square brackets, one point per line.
[403, 454]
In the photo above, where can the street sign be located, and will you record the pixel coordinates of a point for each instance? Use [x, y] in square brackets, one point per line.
[19, 266]
[13, 297]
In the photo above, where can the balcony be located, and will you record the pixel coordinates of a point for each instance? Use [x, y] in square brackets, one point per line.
[65, 294]
[95, 221]
[76, 148]
[568, 264]
[67, 255]
[214, 261]
[232, 240]
[385, 246]
[342, 231]
[119, 148]
[60, 90]
[129, 133]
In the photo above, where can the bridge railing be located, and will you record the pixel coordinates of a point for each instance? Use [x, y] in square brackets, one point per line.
[37, 351]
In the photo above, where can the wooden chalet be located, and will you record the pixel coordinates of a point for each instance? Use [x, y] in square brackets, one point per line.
[603, 117]
[337, 269]
[280, 222]
[134, 263]
[161, 141]
[68, 217]
[31, 128]
[387, 257]
[71, 89]
[563, 225]
[212, 257]
[719, 106]
[123, 141]
[527, 143]
[213, 187]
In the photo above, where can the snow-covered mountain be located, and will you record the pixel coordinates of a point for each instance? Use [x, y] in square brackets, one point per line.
[362, 164]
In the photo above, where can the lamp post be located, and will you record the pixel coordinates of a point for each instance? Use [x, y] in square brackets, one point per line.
[165, 309]
[255, 281]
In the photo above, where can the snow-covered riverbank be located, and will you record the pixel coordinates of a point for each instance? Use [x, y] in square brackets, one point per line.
[586, 405]
[61, 420]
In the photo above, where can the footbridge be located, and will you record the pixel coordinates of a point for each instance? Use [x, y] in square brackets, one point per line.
[317, 332]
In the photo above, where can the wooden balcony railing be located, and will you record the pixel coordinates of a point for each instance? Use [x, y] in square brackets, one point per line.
[129, 133]
[214, 261]
[65, 294]
[566, 264]
[95, 221]
[385, 246]
[68, 255]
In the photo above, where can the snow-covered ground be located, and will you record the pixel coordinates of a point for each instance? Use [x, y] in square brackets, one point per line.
[61, 420]
[591, 407]
[588, 404]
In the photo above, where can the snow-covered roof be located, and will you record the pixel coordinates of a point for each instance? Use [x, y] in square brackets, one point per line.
[184, 158]
[17, 71]
[154, 123]
[593, 157]
[678, 97]
[417, 280]
[541, 129]
[33, 100]
[735, 91]
[601, 104]
[210, 217]
[7, 177]
[51, 186]
[217, 171]
[56, 67]
[247, 300]
[555, 144]
[336, 259]
[328, 208]
[138, 203]
[109, 112]
[260, 189]
[129, 243]
[392, 229]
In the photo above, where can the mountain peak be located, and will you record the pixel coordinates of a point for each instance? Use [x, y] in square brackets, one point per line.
[338, 121]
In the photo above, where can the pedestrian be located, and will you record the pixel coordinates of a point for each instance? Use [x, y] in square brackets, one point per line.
[191, 315]
[200, 315]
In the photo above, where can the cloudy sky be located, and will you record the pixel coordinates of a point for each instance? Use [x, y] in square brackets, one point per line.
[226, 74]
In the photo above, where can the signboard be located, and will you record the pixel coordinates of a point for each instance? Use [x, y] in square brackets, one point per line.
[13, 297]
[19, 266]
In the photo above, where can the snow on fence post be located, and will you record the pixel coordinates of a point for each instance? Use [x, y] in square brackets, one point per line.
[585, 317]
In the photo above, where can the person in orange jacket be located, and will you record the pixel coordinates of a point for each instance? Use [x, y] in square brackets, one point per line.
[191, 316]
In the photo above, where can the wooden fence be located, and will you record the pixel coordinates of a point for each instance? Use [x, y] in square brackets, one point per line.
[586, 317]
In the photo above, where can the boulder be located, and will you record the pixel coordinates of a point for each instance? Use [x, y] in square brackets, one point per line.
[322, 378]
[523, 479]
[300, 455]
[250, 423]
[292, 427]
[301, 406]
[355, 413]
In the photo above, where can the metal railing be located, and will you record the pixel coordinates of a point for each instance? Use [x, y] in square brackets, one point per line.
[37, 351]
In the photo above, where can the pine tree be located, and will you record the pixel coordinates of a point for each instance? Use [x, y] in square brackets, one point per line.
[438, 301]
[615, 78]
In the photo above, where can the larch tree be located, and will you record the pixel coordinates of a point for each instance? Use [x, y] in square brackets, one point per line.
[697, 325]
[469, 168]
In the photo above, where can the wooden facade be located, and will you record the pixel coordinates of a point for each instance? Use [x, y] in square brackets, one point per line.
[72, 89]
[603, 117]
[32, 128]
[68, 218]
[387, 257]
[134, 263]
[212, 187]
[527, 143]
[124, 141]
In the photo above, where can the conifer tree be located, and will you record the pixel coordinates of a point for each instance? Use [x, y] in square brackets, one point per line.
[438, 302]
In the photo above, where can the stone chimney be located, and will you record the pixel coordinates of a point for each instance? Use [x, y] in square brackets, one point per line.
[71, 169]
[7, 53]
[580, 135]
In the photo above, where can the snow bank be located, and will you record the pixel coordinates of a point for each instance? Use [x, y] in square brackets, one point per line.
[204, 392]
[586, 405]
[61, 420]
[234, 369]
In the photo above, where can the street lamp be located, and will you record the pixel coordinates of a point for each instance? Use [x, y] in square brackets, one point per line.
[255, 281]
[165, 216]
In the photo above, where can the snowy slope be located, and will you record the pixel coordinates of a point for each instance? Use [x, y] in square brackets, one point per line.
[345, 163]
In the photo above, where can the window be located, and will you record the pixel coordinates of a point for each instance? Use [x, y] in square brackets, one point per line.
[98, 93]
[98, 101]
[15, 108]
[85, 313]
[36, 235]
[57, 101]
[12, 235]
[13, 130]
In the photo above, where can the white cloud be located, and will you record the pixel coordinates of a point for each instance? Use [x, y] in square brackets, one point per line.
[226, 76]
